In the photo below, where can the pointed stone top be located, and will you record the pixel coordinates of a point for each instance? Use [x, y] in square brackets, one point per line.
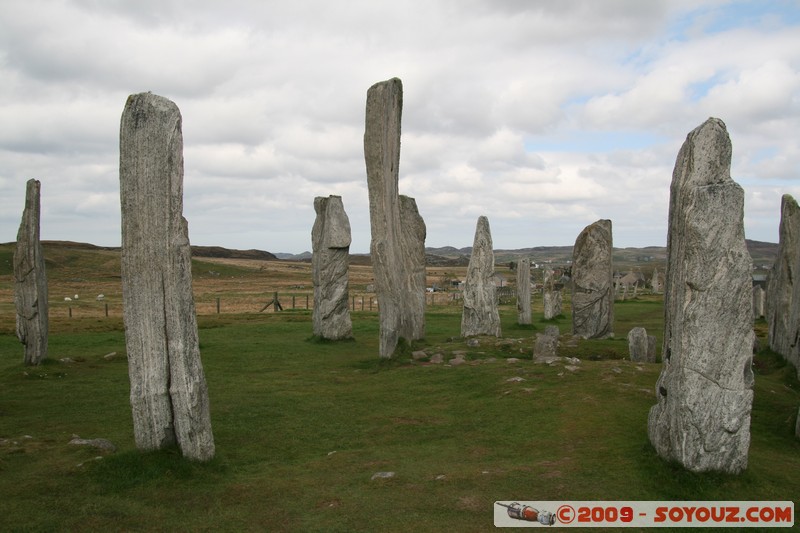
[706, 154]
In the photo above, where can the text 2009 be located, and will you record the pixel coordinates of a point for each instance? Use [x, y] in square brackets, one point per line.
[604, 514]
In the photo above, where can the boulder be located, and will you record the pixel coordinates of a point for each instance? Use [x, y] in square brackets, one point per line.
[705, 390]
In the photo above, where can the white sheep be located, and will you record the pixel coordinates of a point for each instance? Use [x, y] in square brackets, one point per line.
[67, 299]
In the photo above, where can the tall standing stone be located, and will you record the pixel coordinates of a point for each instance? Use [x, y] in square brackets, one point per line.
[783, 291]
[398, 232]
[524, 291]
[480, 315]
[330, 242]
[169, 397]
[705, 390]
[593, 282]
[30, 280]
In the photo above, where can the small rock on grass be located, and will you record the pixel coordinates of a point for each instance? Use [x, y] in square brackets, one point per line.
[382, 475]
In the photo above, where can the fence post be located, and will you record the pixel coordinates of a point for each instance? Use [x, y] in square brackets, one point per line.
[354, 303]
[292, 301]
[70, 311]
[217, 304]
[306, 301]
[106, 310]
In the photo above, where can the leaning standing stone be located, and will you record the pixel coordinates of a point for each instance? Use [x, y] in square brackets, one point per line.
[705, 390]
[524, 291]
[330, 242]
[169, 397]
[480, 315]
[593, 283]
[30, 280]
[397, 247]
[783, 290]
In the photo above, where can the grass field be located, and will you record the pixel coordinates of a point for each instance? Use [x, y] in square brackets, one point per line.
[301, 426]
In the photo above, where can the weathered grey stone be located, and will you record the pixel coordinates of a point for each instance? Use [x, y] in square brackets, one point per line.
[552, 303]
[553, 331]
[705, 390]
[169, 396]
[30, 280]
[480, 315]
[655, 281]
[398, 232]
[592, 282]
[330, 242]
[545, 347]
[413, 232]
[100, 444]
[641, 346]
[759, 302]
[524, 291]
[783, 291]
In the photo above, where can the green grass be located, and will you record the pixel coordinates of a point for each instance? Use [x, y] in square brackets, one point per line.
[301, 426]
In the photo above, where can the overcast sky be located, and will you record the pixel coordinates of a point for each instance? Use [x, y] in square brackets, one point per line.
[542, 115]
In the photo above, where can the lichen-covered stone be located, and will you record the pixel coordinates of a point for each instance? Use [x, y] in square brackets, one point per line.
[30, 280]
[397, 247]
[705, 390]
[641, 346]
[330, 242]
[169, 396]
[524, 291]
[551, 299]
[593, 282]
[480, 315]
[783, 291]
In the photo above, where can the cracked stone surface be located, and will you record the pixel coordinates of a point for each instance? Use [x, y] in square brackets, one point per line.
[593, 282]
[480, 315]
[704, 392]
[783, 292]
[30, 280]
[398, 231]
[169, 396]
[330, 241]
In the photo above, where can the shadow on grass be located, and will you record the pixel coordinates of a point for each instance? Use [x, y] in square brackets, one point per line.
[132, 469]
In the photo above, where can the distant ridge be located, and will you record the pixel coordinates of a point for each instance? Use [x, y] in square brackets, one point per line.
[763, 254]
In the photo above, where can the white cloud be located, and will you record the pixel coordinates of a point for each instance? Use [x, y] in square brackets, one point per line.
[512, 110]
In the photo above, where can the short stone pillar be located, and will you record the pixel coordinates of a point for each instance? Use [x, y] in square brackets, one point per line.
[330, 242]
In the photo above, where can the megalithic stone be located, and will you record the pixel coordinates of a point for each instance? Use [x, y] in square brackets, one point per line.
[551, 300]
[524, 291]
[593, 282]
[783, 291]
[413, 245]
[330, 242]
[30, 280]
[480, 315]
[169, 396]
[705, 390]
[397, 247]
